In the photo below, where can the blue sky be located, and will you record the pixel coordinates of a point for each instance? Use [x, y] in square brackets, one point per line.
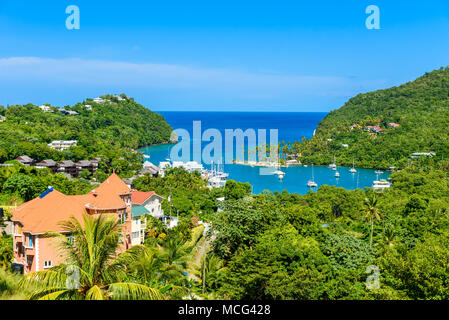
[217, 55]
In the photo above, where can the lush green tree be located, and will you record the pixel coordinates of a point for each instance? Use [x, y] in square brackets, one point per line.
[6, 252]
[238, 225]
[281, 265]
[236, 190]
[93, 271]
[371, 212]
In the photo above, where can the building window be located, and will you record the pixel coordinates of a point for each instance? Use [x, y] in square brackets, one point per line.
[47, 264]
[135, 235]
[29, 260]
[122, 217]
[30, 241]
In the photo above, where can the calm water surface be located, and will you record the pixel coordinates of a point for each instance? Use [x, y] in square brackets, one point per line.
[291, 126]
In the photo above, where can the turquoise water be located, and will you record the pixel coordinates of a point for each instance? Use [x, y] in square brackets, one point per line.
[291, 126]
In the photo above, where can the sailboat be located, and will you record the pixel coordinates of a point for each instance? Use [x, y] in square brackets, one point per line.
[333, 166]
[353, 170]
[312, 183]
[278, 171]
[337, 174]
[378, 172]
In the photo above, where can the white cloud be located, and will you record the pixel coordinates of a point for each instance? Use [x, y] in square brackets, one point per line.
[24, 79]
[116, 73]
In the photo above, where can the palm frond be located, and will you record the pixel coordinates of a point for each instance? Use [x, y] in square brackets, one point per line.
[133, 291]
[95, 293]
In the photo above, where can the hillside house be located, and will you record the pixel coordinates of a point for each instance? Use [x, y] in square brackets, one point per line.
[375, 129]
[393, 125]
[89, 165]
[45, 108]
[68, 166]
[69, 112]
[32, 221]
[98, 100]
[143, 203]
[25, 160]
[62, 145]
[49, 163]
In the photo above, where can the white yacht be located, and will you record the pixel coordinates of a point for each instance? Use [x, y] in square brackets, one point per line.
[216, 178]
[280, 174]
[337, 174]
[278, 171]
[312, 183]
[378, 172]
[353, 170]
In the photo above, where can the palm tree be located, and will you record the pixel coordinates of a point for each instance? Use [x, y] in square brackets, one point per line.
[211, 267]
[149, 269]
[94, 270]
[371, 212]
[175, 256]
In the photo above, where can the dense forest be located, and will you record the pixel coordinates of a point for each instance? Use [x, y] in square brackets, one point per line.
[420, 108]
[112, 130]
[326, 245]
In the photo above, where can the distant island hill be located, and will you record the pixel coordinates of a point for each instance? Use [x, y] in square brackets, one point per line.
[102, 133]
[396, 127]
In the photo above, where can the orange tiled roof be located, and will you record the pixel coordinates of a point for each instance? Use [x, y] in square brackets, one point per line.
[139, 197]
[113, 185]
[43, 215]
[104, 201]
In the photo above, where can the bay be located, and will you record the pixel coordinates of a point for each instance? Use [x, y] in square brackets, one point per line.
[291, 126]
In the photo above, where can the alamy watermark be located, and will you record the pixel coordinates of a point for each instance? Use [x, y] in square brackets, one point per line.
[373, 280]
[373, 20]
[73, 280]
[73, 20]
[237, 143]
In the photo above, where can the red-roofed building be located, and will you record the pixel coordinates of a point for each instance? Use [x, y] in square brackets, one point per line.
[393, 125]
[143, 203]
[375, 129]
[36, 218]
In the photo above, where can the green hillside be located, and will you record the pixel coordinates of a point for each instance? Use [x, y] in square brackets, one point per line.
[421, 108]
[111, 130]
